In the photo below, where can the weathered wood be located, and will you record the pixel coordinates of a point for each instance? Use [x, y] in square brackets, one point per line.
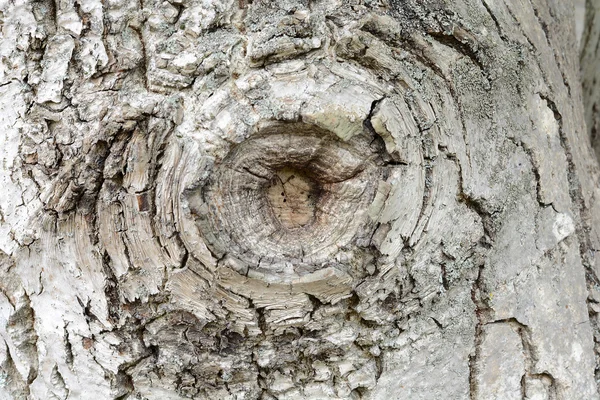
[589, 71]
[296, 200]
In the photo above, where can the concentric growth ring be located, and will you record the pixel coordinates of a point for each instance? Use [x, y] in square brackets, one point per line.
[289, 197]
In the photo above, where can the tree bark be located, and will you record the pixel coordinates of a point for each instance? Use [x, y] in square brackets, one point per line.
[296, 200]
[589, 72]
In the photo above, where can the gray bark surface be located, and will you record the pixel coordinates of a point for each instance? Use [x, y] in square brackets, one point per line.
[296, 200]
[590, 56]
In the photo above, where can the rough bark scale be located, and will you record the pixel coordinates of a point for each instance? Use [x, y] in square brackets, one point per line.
[295, 200]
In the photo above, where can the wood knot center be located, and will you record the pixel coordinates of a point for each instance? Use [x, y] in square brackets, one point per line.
[293, 197]
[287, 202]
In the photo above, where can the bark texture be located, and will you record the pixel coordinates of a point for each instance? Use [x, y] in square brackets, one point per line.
[590, 56]
[295, 200]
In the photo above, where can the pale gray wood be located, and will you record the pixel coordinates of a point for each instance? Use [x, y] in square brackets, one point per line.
[296, 200]
[590, 71]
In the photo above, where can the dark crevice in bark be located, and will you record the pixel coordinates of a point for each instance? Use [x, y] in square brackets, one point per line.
[462, 47]
[111, 289]
[481, 312]
[54, 11]
[21, 328]
[548, 37]
[531, 358]
[84, 17]
[534, 169]
[367, 121]
[494, 18]
[445, 283]
[487, 218]
[420, 57]
[143, 66]
[89, 315]
[61, 391]
[68, 346]
[428, 166]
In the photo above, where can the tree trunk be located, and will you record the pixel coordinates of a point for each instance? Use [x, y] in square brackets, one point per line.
[590, 56]
[296, 199]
